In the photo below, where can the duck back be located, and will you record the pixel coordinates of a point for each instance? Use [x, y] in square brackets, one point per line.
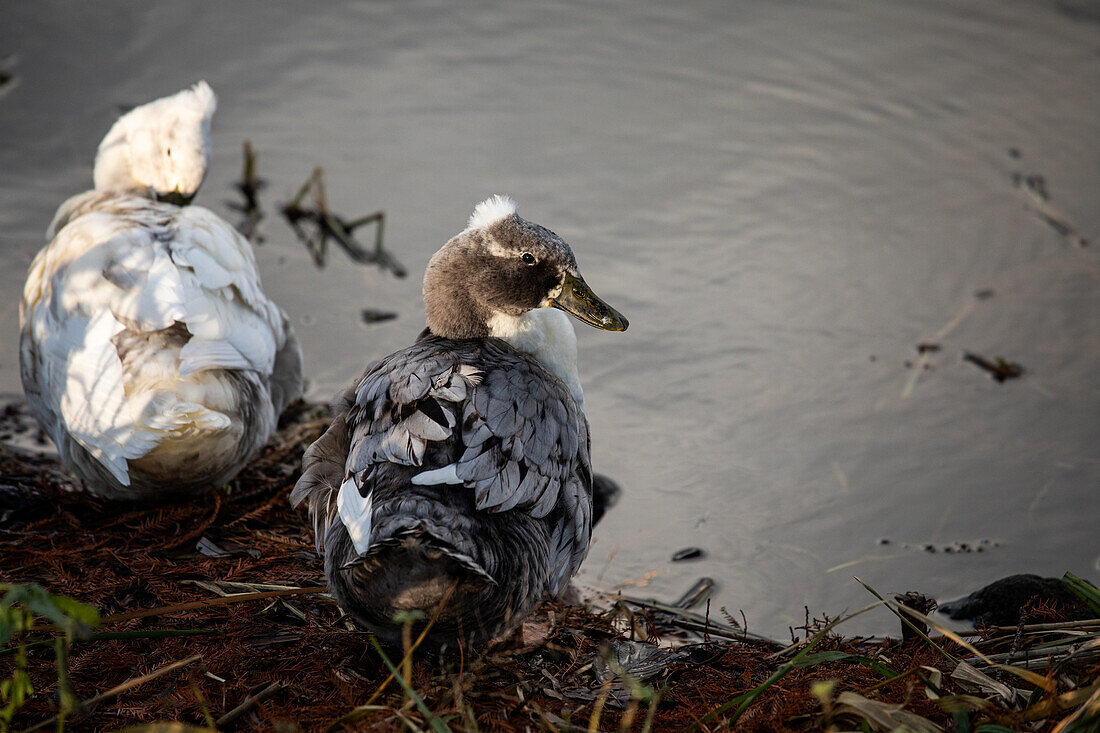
[149, 352]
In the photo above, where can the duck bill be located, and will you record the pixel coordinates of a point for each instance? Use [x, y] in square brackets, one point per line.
[175, 197]
[577, 299]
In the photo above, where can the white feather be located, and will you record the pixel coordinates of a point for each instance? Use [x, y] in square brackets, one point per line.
[546, 334]
[446, 475]
[93, 403]
[355, 512]
[490, 211]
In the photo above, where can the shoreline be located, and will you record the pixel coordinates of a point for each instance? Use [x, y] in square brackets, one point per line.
[213, 614]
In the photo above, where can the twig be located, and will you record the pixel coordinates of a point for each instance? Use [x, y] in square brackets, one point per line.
[209, 602]
[694, 622]
[249, 702]
[695, 594]
[330, 225]
[999, 369]
[1053, 626]
[249, 186]
[119, 689]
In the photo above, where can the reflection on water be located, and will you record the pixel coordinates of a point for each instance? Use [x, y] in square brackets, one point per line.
[785, 200]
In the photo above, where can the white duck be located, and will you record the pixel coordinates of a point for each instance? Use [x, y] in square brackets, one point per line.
[149, 352]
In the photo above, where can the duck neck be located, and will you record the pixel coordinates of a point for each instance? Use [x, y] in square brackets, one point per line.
[547, 335]
[452, 313]
[112, 163]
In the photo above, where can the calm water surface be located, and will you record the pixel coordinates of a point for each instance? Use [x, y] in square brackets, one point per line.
[784, 198]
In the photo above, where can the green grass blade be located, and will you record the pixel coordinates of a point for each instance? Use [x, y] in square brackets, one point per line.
[1085, 590]
[743, 700]
[437, 724]
[839, 656]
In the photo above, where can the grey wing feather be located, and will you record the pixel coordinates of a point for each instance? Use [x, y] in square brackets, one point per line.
[521, 430]
[323, 470]
[521, 440]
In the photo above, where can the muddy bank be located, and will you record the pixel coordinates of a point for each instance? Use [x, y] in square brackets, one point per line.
[213, 614]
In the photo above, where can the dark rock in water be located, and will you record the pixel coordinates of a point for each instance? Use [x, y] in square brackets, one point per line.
[370, 315]
[1001, 602]
[688, 553]
[605, 493]
[696, 594]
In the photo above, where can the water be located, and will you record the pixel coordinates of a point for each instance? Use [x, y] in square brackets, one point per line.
[784, 198]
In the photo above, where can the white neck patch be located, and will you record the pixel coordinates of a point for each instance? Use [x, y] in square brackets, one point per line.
[546, 334]
[490, 211]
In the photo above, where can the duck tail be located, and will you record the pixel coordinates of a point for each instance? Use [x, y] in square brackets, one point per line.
[166, 415]
[414, 571]
[476, 573]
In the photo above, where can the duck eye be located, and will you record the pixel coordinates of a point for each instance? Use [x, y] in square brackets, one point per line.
[528, 258]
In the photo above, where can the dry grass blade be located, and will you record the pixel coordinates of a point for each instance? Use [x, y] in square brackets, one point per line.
[1033, 678]
[1082, 625]
[597, 710]
[694, 621]
[968, 674]
[1027, 675]
[920, 632]
[212, 602]
[406, 660]
[884, 716]
[166, 727]
[942, 629]
[120, 563]
[1061, 703]
[1086, 717]
[119, 689]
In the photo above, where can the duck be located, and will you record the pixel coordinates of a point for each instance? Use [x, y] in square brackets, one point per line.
[453, 488]
[149, 352]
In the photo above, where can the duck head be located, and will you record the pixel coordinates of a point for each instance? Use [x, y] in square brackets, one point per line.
[500, 268]
[162, 147]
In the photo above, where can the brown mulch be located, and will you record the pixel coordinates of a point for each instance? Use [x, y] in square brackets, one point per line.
[128, 558]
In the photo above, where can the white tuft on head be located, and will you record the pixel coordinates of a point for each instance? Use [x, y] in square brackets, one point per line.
[163, 145]
[490, 211]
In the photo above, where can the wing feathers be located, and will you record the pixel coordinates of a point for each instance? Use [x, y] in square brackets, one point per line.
[479, 417]
[355, 512]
